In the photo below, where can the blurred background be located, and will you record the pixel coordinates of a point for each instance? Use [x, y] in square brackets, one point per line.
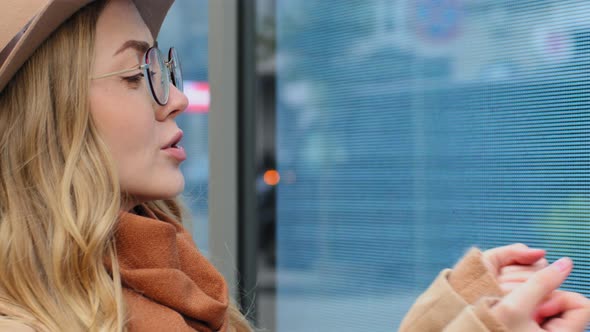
[384, 138]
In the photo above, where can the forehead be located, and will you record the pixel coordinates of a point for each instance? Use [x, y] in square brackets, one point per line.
[119, 22]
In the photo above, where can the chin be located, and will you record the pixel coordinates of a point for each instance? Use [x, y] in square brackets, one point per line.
[172, 188]
[163, 188]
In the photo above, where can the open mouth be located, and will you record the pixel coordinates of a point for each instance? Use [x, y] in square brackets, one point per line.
[173, 145]
[174, 148]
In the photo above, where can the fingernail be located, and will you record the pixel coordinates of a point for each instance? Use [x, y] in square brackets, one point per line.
[562, 264]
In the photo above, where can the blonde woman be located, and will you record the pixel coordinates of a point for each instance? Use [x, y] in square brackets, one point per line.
[87, 130]
[90, 231]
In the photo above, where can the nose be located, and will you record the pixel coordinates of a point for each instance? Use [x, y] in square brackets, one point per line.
[177, 103]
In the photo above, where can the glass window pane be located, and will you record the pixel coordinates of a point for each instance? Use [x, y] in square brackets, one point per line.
[186, 28]
[408, 131]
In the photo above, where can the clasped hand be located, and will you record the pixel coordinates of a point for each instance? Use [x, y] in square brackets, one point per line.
[532, 301]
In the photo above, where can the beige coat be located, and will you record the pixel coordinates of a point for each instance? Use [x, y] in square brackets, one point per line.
[457, 301]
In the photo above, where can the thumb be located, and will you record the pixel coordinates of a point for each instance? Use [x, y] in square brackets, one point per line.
[527, 297]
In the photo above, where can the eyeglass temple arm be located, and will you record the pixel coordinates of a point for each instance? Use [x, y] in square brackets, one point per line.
[120, 72]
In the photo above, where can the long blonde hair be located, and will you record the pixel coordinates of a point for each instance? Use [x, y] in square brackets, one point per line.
[55, 231]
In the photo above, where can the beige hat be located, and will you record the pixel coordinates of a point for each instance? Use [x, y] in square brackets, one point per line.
[25, 24]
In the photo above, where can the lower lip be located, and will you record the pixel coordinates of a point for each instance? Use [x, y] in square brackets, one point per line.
[177, 153]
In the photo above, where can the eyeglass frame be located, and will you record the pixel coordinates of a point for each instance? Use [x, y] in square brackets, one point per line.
[173, 60]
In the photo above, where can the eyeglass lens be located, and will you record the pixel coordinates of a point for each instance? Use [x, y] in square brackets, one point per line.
[157, 76]
[160, 74]
[175, 68]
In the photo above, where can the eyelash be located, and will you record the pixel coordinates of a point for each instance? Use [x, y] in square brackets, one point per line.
[133, 79]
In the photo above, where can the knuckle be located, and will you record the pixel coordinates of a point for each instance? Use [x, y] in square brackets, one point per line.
[489, 252]
[520, 245]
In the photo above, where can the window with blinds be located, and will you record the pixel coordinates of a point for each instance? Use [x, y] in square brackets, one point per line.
[410, 130]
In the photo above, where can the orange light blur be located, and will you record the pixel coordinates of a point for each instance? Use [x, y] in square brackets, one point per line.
[272, 177]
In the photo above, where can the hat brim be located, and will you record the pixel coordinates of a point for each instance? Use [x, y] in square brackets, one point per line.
[54, 14]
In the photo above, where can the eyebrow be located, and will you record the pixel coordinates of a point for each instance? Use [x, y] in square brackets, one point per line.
[139, 45]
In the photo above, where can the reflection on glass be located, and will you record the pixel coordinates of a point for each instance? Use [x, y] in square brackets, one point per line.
[411, 130]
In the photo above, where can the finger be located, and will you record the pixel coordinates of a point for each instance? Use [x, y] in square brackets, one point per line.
[521, 276]
[526, 297]
[575, 313]
[509, 287]
[513, 254]
[541, 263]
[554, 304]
[564, 325]
[538, 265]
[521, 272]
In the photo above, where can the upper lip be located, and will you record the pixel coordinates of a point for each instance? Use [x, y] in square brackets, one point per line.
[174, 140]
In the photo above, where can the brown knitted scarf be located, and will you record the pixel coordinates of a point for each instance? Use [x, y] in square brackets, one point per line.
[168, 284]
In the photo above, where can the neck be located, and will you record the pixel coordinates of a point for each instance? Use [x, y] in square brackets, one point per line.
[128, 203]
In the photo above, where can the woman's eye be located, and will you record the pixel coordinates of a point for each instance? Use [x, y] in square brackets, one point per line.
[135, 79]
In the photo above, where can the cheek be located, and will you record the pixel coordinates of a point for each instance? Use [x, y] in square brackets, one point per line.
[125, 121]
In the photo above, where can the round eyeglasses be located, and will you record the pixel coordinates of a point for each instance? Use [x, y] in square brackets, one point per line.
[158, 73]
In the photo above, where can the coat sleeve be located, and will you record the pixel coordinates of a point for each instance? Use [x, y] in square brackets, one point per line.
[448, 304]
[476, 318]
